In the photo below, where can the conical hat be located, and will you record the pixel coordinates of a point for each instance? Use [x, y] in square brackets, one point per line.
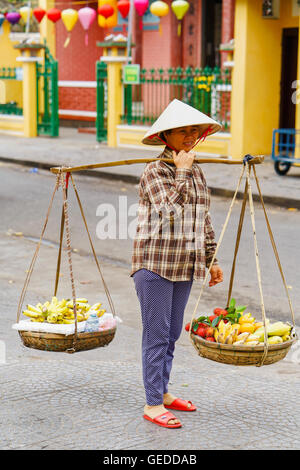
[179, 114]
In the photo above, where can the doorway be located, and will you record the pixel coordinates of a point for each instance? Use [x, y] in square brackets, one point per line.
[289, 59]
[211, 32]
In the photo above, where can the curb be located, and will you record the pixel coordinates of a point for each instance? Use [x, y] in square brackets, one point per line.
[131, 179]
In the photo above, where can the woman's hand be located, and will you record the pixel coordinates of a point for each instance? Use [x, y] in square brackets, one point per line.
[184, 159]
[216, 275]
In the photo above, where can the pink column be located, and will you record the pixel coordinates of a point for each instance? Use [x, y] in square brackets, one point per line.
[228, 8]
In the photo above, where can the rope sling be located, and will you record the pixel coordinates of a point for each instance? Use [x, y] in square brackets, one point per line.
[83, 341]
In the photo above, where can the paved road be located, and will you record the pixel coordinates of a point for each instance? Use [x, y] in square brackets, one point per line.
[94, 399]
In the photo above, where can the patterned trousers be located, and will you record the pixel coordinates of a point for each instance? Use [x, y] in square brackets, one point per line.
[162, 306]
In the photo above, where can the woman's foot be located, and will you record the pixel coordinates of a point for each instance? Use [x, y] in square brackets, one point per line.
[158, 410]
[178, 403]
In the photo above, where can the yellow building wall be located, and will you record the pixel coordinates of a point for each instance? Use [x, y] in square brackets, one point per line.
[256, 76]
[10, 90]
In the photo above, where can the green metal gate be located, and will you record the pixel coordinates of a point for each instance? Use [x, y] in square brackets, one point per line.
[101, 120]
[47, 96]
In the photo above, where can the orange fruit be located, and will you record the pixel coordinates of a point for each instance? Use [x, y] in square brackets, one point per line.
[246, 319]
[257, 325]
[247, 328]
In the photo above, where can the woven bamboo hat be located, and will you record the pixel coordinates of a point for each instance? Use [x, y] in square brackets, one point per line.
[179, 114]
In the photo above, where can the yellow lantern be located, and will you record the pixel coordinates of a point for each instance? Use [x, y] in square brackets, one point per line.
[69, 18]
[180, 7]
[159, 9]
[112, 21]
[24, 12]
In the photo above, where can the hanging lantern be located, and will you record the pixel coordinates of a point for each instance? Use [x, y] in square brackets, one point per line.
[107, 13]
[39, 14]
[86, 17]
[53, 15]
[159, 9]
[25, 12]
[180, 7]
[69, 18]
[141, 7]
[124, 7]
[13, 17]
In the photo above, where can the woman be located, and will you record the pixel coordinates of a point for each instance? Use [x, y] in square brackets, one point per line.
[174, 244]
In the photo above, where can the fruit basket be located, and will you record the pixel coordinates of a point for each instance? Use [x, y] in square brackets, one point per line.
[62, 343]
[68, 312]
[230, 336]
[240, 355]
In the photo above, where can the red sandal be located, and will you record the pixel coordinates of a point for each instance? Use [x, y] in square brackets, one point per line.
[163, 419]
[181, 405]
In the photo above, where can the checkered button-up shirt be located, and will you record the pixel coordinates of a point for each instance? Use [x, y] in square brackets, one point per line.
[174, 236]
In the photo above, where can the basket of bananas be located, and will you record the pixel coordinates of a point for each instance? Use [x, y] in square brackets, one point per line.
[231, 336]
[61, 314]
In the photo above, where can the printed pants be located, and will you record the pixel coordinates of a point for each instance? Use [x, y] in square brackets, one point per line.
[162, 307]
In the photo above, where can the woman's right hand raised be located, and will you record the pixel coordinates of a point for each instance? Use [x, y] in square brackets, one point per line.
[184, 159]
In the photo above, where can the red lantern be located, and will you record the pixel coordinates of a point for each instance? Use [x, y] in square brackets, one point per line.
[106, 11]
[39, 14]
[54, 15]
[123, 7]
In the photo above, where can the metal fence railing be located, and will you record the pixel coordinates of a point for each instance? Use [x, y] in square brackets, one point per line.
[208, 90]
[11, 91]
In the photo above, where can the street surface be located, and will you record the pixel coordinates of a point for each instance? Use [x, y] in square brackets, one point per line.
[95, 399]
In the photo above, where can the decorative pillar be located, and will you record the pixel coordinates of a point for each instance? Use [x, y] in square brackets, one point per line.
[29, 59]
[114, 55]
[256, 76]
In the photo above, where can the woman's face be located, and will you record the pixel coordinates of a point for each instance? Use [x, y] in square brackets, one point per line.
[182, 138]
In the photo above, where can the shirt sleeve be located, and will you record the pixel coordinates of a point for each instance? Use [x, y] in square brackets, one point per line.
[165, 193]
[210, 243]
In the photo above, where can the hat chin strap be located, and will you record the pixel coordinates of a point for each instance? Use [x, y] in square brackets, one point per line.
[201, 139]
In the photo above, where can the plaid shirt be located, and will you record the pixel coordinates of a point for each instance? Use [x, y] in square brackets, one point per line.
[174, 236]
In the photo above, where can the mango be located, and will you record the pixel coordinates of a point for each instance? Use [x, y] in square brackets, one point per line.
[275, 340]
[247, 328]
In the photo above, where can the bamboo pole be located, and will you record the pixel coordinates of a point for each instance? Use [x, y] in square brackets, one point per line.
[254, 161]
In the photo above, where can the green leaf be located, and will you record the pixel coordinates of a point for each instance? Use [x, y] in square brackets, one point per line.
[195, 327]
[216, 321]
[241, 308]
[201, 319]
[232, 303]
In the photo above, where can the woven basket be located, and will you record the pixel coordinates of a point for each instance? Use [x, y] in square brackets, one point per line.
[241, 355]
[63, 343]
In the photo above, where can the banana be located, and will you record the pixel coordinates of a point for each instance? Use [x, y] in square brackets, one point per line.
[96, 306]
[221, 338]
[239, 343]
[62, 303]
[30, 314]
[235, 331]
[221, 326]
[227, 329]
[63, 310]
[101, 312]
[286, 338]
[67, 321]
[34, 309]
[251, 343]
[243, 337]
[216, 335]
[38, 319]
[229, 339]
[85, 301]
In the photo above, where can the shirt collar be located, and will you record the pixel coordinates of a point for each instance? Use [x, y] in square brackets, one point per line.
[166, 153]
